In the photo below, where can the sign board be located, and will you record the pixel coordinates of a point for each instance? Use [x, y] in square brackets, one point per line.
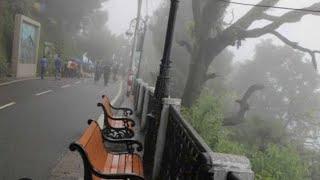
[25, 46]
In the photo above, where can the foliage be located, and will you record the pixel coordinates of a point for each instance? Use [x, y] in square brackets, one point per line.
[290, 96]
[206, 117]
[260, 132]
[278, 163]
[263, 142]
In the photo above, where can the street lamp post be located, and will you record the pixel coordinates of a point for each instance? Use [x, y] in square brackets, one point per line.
[162, 85]
[161, 91]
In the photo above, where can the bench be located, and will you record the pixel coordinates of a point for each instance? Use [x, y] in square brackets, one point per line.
[99, 163]
[116, 127]
[131, 144]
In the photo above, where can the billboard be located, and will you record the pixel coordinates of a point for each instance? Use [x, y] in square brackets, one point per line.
[25, 46]
[28, 45]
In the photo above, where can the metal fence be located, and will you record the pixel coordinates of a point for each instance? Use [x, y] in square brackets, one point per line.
[183, 153]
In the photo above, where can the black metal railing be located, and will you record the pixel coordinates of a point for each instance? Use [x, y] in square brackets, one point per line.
[185, 154]
[152, 125]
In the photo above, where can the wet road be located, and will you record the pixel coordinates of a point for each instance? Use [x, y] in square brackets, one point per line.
[38, 120]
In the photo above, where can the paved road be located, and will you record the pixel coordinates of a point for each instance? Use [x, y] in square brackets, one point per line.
[38, 120]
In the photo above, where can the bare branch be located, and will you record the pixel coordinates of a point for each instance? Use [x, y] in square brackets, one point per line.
[269, 17]
[295, 45]
[211, 76]
[185, 44]
[289, 17]
[254, 14]
[238, 117]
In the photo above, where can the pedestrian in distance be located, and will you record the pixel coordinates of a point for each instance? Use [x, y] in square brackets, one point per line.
[115, 71]
[58, 66]
[43, 66]
[106, 73]
[97, 72]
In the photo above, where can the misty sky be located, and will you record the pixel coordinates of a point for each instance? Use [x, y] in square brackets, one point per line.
[305, 32]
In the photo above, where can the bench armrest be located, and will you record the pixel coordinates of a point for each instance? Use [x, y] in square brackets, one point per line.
[126, 111]
[129, 142]
[124, 119]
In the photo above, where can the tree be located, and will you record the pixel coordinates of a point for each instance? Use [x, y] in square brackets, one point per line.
[290, 93]
[210, 38]
[63, 20]
[180, 57]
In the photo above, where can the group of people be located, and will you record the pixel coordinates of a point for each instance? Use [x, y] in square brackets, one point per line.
[57, 64]
[105, 70]
[67, 69]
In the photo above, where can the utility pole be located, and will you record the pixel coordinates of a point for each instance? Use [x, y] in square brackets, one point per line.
[133, 49]
[145, 25]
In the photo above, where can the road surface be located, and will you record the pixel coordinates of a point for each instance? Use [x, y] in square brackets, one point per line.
[38, 120]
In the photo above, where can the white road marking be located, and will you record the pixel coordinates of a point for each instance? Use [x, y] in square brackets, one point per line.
[65, 86]
[101, 117]
[18, 80]
[78, 82]
[44, 92]
[7, 105]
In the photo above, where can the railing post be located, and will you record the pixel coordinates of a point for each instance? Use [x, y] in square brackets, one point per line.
[141, 98]
[137, 91]
[161, 139]
[145, 111]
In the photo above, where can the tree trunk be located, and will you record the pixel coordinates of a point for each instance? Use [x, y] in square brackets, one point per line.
[196, 77]
[198, 68]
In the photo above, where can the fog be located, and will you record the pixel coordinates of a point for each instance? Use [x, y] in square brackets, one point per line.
[292, 31]
[246, 72]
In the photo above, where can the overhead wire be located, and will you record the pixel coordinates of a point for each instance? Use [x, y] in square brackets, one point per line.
[273, 7]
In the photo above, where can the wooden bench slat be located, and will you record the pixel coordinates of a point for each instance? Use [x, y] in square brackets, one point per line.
[122, 163]
[136, 165]
[128, 163]
[115, 164]
[108, 163]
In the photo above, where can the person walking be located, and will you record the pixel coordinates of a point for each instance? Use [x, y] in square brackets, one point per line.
[115, 70]
[106, 73]
[58, 66]
[97, 72]
[43, 66]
